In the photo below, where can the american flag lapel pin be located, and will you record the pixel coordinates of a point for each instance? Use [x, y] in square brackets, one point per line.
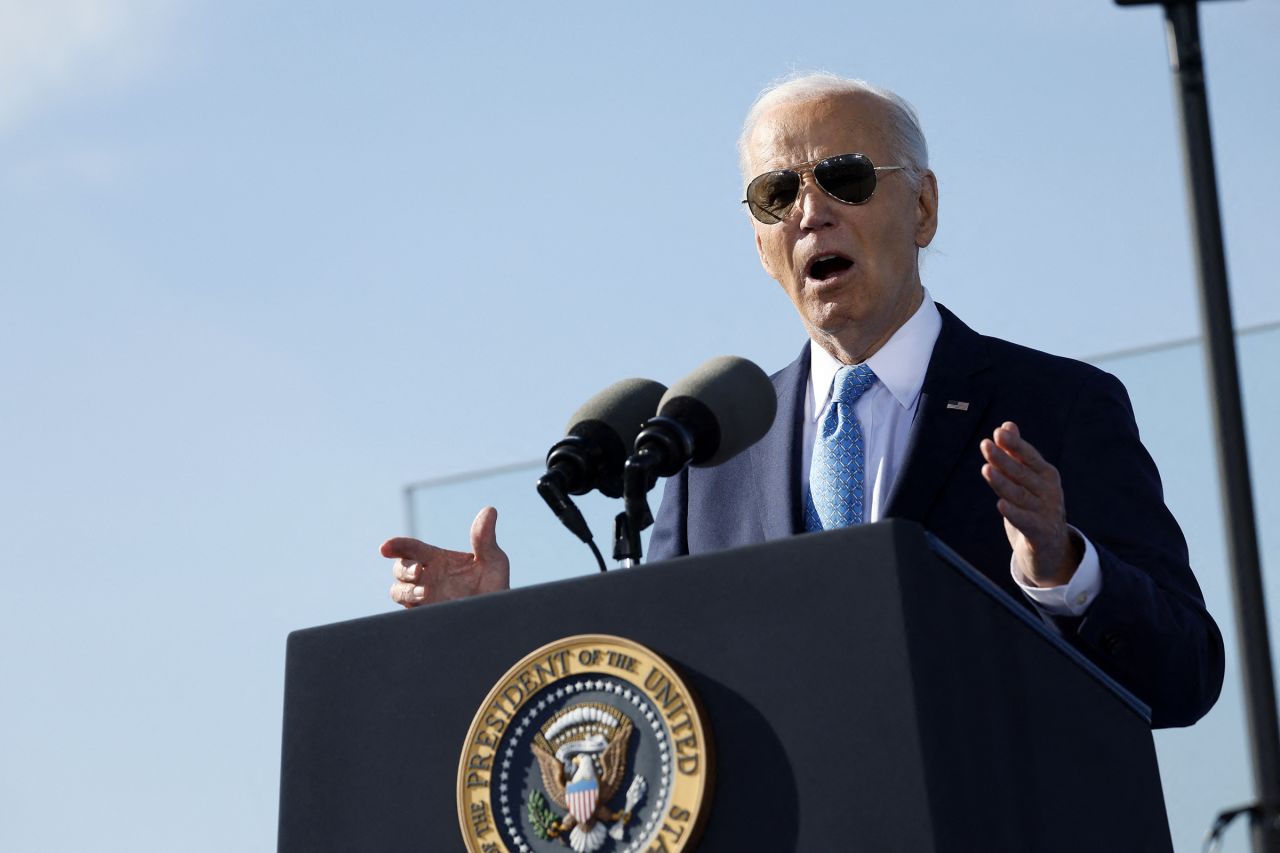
[958, 405]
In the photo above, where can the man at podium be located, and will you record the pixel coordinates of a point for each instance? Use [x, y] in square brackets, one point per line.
[1028, 465]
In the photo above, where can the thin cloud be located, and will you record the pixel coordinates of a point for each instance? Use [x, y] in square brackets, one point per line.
[51, 50]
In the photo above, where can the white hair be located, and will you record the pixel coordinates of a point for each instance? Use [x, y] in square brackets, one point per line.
[906, 139]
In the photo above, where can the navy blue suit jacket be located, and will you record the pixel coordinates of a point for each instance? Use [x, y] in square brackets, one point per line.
[1148, 628]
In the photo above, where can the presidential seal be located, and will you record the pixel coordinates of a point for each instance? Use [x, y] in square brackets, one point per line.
[591, 743]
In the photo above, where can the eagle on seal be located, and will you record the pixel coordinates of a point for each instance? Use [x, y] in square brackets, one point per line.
[582, 753]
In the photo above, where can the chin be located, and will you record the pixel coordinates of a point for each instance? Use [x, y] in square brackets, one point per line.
[832, 322]
[830, 331]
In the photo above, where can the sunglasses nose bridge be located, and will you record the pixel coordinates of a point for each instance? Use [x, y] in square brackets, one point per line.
[814, 203]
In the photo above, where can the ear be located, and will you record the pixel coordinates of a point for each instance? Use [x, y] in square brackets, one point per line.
[927, 209]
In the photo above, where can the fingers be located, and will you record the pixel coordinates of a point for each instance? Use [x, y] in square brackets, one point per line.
[409, 571]
[1028, 487]
[1021, 518]
[1008, 478]
[425, 574]
[1017, 471]
[1011, 467]
[409, 549]
[408, 594]
[1009, 439]
[1029, 492]
[1007, 487]
[407, 590]
[484, 535]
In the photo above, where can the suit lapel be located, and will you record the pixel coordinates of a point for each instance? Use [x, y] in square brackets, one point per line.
[776, 457]
[942, 431]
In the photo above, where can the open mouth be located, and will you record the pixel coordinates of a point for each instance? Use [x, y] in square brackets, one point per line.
[826, 267]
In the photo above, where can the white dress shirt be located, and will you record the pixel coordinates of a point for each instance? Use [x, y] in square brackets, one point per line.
[886, 411]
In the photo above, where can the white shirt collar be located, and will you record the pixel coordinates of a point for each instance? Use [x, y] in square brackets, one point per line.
[900, 364]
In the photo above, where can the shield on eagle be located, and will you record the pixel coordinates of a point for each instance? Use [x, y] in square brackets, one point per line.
[581, 796]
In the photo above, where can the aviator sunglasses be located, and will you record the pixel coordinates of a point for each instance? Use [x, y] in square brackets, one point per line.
[848, 178]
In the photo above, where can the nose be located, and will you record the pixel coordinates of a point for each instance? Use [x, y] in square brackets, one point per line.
[817, 209]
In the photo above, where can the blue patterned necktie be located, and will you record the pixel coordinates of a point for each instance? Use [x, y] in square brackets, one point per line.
[837, 480]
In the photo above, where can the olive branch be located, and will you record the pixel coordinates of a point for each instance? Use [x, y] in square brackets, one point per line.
[545, 823]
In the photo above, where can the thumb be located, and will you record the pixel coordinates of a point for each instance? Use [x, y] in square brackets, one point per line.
[484, 535]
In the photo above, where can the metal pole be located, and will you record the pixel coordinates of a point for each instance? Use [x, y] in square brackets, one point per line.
[410, 490]
[410, 516]
[1224, 387]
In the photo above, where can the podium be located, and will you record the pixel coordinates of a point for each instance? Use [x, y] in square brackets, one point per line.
[867, 690]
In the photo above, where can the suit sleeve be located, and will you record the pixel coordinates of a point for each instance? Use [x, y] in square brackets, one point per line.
[671, 527]
[1148, 627]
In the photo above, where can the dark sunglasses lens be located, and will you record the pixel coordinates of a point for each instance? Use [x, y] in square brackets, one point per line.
[771, 195]
[849, 177]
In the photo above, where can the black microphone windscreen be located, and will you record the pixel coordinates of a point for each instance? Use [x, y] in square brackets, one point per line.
[739, 396]
[623, 408]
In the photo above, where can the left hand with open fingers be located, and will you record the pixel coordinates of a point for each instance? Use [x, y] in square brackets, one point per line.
[1030, 498]
[425, 573]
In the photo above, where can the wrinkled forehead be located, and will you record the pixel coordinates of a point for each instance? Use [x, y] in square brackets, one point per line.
[799, 132]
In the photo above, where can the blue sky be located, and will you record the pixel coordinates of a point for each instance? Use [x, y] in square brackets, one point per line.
[263, 263]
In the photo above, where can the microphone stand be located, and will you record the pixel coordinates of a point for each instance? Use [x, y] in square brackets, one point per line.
[664, 446]
[1187, 60]
[638, 477]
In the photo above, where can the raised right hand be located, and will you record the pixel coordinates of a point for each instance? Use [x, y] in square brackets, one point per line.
[426, 574]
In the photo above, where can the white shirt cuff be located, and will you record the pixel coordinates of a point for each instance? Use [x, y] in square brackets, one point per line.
[1073, 598]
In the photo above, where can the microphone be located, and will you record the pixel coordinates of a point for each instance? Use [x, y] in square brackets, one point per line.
[594, 451]
[708, 417]
[600, 434]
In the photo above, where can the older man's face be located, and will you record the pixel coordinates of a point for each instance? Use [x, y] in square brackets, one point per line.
[850, 270]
